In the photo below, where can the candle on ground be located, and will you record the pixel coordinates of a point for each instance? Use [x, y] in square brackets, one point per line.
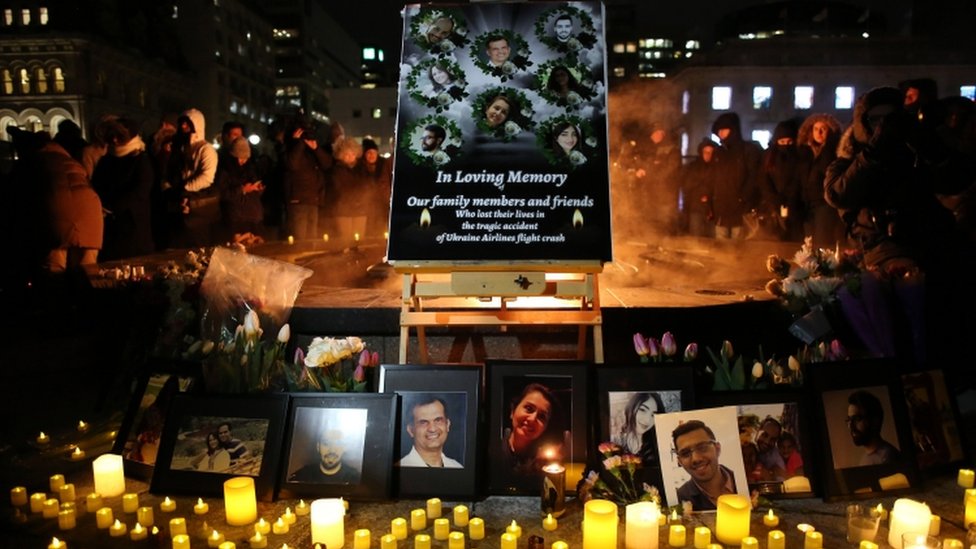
[215, 539]
[67, 493]
[77, 455]
[388, 541]
[82, 427]
[37, 502]
[549, 523]
[952, 543]
[476, 528]
[177, 526]
[258, 541]
[328, 522]
[66, 519]
[57, 544]
[118, 529]
[302, 509]
[677, 536]
[434, 508]
[42, 439]
[442, 527]
[240, 501]
[232, 545]
[750, 542]
[703, 537]
[461, 516]
[776, 540]
[93, 502]
[361, 539]
[130, 503]
[935, 525]
[181, 541]
[262, 526]
[138, 532]
[279, 526]
[560, 545]
[291, 239]
[966, 478]
[109, 475]
[289, 517]
[18, 496]
[455, 540]
[514, 529]
[167, 505]
[770, 519]
[51, 508]
[418, 519]
[866, 544]
[144, 515]
[813, 540]
[509, 541]
[398, 527]
[56, 482]
[641, 525]
[201, 507]
[421, 541]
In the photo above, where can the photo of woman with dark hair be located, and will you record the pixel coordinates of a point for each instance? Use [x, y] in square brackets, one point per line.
[214, 459]
[440, 76]
[561, 81]
[565, 139]
[637, 434]
[497, 111]
[534, 435]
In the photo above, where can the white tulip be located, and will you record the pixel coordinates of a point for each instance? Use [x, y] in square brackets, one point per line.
[284, 334]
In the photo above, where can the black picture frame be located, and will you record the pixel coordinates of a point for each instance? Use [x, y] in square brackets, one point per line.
[140, 434]
[457, 389]
[934, 416]
[623, 389]
[847, 470]
[254, 435]
[362, 424]
[566, 434]
[790, 410]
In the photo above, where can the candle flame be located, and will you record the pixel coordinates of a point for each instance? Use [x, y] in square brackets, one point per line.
[155, 530]
[355, 237]
[425, 218]
[215, 534]
[325, 237]
[386, 235]
[577, 219]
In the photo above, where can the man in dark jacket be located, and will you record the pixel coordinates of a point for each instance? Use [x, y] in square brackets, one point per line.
[306, 163]
[738, 190]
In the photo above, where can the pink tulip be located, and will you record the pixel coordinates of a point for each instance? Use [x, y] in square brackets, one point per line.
[374, 359]
[691, 352]
[360, 374]
[363, 359]
[299, 355]
[668, 345]
[640, 345]
[653, 348]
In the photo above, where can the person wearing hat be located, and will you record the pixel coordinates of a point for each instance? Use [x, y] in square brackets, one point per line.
[737, 187]
[240, 191]
[781, 183]
[376, 173]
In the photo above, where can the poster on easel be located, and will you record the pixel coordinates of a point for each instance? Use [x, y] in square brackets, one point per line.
[502, 134]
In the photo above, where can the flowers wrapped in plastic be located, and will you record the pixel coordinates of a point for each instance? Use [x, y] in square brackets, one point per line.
[616, 478]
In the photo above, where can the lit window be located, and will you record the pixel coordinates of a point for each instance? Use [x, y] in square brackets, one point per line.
[380, 55]
[8, 82]
[685, 101]
[762, 97]
[42, 15]
[631, 47]
[369, 54]
[684, 143]
[692, 45]
[176, 12]
[803, 97]
[619, 72]
[377, 113]
[233, 107]
[25, 16]
[619, 48]
[24, 81]
[41, 77]
[968, 92]
[658, 42]
[762, 137]
[721, 98]
[843, 97]
[8, 17]
[58, 80]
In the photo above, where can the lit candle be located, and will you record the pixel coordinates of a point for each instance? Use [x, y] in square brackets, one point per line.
[56, 482]
[386, 235]
[703, 537]
[18, 496]
[177, 526]
[118, 529]
[514, 529]
[434, 508]
[460, 516]
[42, 440]
[476, 528]
[732, 518]
[398, 527]
[144, 515]
[201, 507]
[952, 543]
[388, 541]
[279, 527]
[289, 516]
[776, 540]
[66, 519]
[138, 532]
[109, 475]
[232, 545]
[554, 489]
[291, 239]
[57, 544]
[509, 541]
[77, 455]
[907, 516]
[969, 500]
[560, 545]
[935, 525]
[422, 541]
[302, 509]
[93, 502]
[549, 523]
[355, 237]
[442, 527]
[215, 539]
[37, 500]
[67, 493]
[677, 536]
[167, 505]
[882, 512]
[258, 541]
[51, 508]
[641, 525]
[181, 541]
[418, 519]
[328, 522]
[966, 478]
[813, 540]
[770, 519]
[262, 526]
[750, 542]
[130, 503]
[361, 539]
[240, 501]
[599, 524]
[325, 237]
[804, 527]
[82, 427]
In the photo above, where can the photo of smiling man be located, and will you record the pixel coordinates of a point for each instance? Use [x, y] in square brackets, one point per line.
[428, 425]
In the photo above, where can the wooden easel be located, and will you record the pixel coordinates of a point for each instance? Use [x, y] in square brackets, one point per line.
[456, 284]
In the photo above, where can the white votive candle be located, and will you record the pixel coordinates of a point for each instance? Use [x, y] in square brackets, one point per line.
[109, 475]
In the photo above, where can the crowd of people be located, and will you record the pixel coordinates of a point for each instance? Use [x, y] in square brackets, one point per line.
[122, 195]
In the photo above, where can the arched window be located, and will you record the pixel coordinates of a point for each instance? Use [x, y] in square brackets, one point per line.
[58, 80]
[8, 82]
[8, 17]
[42, 15]
[24, 81]
[25, 16]
[41, 77]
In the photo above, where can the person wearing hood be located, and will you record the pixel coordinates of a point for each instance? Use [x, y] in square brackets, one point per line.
[781, 182]
[698, 182]
[817, 142]
[737, 189]
[305, 165]
[377, 173]
[240, 191]
[192, 169]
[123, 180]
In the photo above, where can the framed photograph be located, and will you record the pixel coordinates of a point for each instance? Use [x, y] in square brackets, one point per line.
[775, 436]
[139, 435]
[437, 428]
[935, 423]
[339, 445]
[208, 439]
[629, 398]
[537, 415]
[865, 430]
[700, 456]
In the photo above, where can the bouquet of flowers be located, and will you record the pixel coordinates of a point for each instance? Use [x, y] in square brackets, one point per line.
[330, 365]
[180, 282]
[616, 479]
[729, 372]
[814, 278]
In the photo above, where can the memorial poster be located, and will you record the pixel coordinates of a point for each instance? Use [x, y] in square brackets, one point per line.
[502, 134]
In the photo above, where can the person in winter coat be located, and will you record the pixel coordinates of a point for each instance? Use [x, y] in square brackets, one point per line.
[781, 183]
[192, 169]
[817, 142]
[698, 182]
[349, 193]
[376, 173]
[737, 190]
[306, 163]
[240, 190]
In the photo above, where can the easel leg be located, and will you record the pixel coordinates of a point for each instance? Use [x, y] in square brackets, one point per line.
[598, 343]
[404, 341]
[422, 345]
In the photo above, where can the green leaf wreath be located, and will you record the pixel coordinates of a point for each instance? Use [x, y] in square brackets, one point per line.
[584, 39]
[448, 151]
[519, 118]
[428, 94]
[518, 59]
[585, 148]
[581, 91]
[427, 16]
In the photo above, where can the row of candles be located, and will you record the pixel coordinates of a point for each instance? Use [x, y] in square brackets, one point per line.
[325, 237]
